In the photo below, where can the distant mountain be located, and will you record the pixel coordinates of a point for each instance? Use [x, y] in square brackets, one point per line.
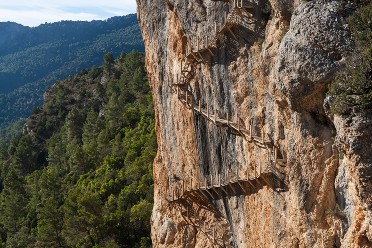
[32, 59]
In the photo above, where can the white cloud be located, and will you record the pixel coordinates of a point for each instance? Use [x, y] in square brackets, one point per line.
[35, 12]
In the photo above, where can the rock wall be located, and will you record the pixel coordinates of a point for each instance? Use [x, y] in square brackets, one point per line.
[267, 74]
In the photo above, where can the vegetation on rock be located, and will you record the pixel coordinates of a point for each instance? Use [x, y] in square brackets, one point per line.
[352, 88]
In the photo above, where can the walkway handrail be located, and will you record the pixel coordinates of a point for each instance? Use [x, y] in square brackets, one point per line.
[195, 192]
[187, 99]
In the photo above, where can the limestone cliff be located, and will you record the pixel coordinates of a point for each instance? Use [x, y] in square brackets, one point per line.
[249, 155]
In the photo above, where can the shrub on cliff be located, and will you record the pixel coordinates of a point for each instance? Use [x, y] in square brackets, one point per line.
[352, 88]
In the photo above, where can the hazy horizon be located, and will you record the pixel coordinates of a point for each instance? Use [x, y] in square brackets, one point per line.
[35, 12]
[66, 20]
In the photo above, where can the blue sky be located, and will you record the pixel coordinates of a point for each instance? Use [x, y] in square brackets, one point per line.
[35, 12]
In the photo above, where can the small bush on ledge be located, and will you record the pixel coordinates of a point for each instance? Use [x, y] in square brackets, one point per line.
[351, 91]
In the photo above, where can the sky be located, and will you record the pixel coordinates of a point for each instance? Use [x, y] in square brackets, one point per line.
[35, 12]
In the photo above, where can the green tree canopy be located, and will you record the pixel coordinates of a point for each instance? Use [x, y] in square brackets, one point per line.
[81, 175]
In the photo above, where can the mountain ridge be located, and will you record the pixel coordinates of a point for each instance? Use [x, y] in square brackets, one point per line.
[41, 33]
[32, 59]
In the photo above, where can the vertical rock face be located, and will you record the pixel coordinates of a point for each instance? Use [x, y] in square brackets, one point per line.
[248, 154]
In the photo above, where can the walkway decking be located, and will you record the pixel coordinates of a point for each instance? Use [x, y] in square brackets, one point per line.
[195, 57]
[192, 197]
[237, 128]
[185, 95]
[213, 188]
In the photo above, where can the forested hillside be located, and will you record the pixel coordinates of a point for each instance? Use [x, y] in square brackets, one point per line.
[81, 173]
[31, 59]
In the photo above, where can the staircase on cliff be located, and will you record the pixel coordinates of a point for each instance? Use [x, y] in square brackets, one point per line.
[193, 199]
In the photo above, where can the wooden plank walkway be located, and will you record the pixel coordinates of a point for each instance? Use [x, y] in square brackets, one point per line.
[238, 129]
[216, 229]
[191, 204]
[192, 197]
[195, 57]
[185, 95]
[215, 188]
